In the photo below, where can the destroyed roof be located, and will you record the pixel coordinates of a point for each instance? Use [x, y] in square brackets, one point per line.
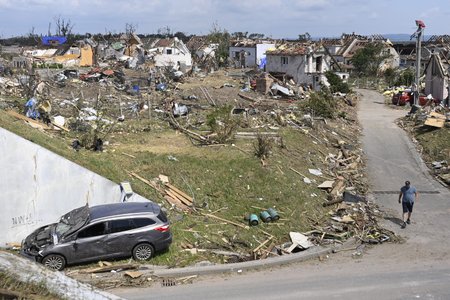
[292, 49]
[439, 39]
[196, 42]
[352, 45]
[331, 42]
[249, 43]
[164, 43]
[131, 38]
[440, 63]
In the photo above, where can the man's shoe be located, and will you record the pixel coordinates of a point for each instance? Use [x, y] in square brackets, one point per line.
[403, 225]
[408, 221]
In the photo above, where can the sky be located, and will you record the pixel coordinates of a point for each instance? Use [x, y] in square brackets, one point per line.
[274, 18]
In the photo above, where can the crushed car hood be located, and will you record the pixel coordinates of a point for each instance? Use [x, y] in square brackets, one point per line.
[40, 238]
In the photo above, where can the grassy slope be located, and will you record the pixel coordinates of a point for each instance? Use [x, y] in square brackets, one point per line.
[222, 178]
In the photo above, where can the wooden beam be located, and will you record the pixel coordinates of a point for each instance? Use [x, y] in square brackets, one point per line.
[227, 221]
[180, 192]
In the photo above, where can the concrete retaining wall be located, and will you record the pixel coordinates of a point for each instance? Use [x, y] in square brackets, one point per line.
[38, 186]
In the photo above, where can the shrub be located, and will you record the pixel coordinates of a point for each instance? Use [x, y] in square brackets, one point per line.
[222, 123]
[321, 104]
[263, 146]
[336, 83]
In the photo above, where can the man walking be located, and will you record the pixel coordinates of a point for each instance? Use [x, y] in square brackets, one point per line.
[408, 194]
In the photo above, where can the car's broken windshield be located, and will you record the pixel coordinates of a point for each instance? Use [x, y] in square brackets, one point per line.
[72, 221]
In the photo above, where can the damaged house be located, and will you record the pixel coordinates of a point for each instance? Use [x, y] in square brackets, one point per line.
[80, 54]
[249, 53]
[437, 75]
[200, 47]
[203, 53]
[306, 64]
[171, 52]
[344, 48]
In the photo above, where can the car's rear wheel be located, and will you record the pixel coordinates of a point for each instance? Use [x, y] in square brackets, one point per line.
[54, 262]
[143, 251]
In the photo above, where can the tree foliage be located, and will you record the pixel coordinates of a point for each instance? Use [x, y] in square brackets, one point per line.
[222, 38]
[405, 77]
[389, 76]
[305, 37]
[367, 60]
[240, 35]
[336, 83]
[63, 26]
[256, 36]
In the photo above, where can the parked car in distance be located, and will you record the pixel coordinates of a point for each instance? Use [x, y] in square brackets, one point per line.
[107, 231]
[407, 97]
[402, 97]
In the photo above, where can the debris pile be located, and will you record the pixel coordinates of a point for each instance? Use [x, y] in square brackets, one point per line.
[429, 126]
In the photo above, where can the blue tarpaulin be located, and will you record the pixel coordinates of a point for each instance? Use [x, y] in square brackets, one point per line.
[53, 40]
[32, 111]
[262, 63]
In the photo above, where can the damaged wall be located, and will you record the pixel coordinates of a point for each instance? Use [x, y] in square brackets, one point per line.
[304, 69]
[39, 186]
[436, 78]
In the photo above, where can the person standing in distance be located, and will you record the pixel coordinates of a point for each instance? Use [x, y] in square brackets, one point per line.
[408, 194]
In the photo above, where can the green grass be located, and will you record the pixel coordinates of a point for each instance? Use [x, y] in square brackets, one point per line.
[9, 285]
[435, 142]
[222, 179]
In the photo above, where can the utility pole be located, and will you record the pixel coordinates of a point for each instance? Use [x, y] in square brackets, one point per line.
[418, 35]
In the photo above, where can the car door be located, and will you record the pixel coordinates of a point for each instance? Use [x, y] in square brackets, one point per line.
[121, 238]
[89, 243]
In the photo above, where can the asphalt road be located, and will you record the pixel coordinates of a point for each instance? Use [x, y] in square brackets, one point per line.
[416, 269]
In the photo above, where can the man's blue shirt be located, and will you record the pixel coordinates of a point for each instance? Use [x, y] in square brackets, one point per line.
[408, 193]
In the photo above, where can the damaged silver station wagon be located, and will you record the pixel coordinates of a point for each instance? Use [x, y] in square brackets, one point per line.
[136, 229]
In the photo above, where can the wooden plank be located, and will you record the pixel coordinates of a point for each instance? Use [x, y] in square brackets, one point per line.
[435, 122]
[180, 192]
[178, 196]
[294, 170]
[262, 244]
[60, 127]
[110, 268]
[175, 196]
[328, 184]
[148, 182]
[129, 155]
[25, 118]
[134, 274]
[227, 221]
[437, 115]
[176, 202]
[247, 98]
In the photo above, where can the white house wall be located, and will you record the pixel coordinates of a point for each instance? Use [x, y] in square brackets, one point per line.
[250, 58]
[165, 60]
[295, 67]
[261, 51]
[302, 68]
[437, 87]
[39, 186]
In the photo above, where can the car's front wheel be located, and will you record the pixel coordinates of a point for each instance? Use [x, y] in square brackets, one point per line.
[54, 262]
[143, 251]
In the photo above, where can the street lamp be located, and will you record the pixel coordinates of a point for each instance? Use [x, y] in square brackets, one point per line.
[418, 35]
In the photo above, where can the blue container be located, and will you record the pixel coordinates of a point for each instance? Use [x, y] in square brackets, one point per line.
[253, 220]
[273, 214]
[265, 216]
